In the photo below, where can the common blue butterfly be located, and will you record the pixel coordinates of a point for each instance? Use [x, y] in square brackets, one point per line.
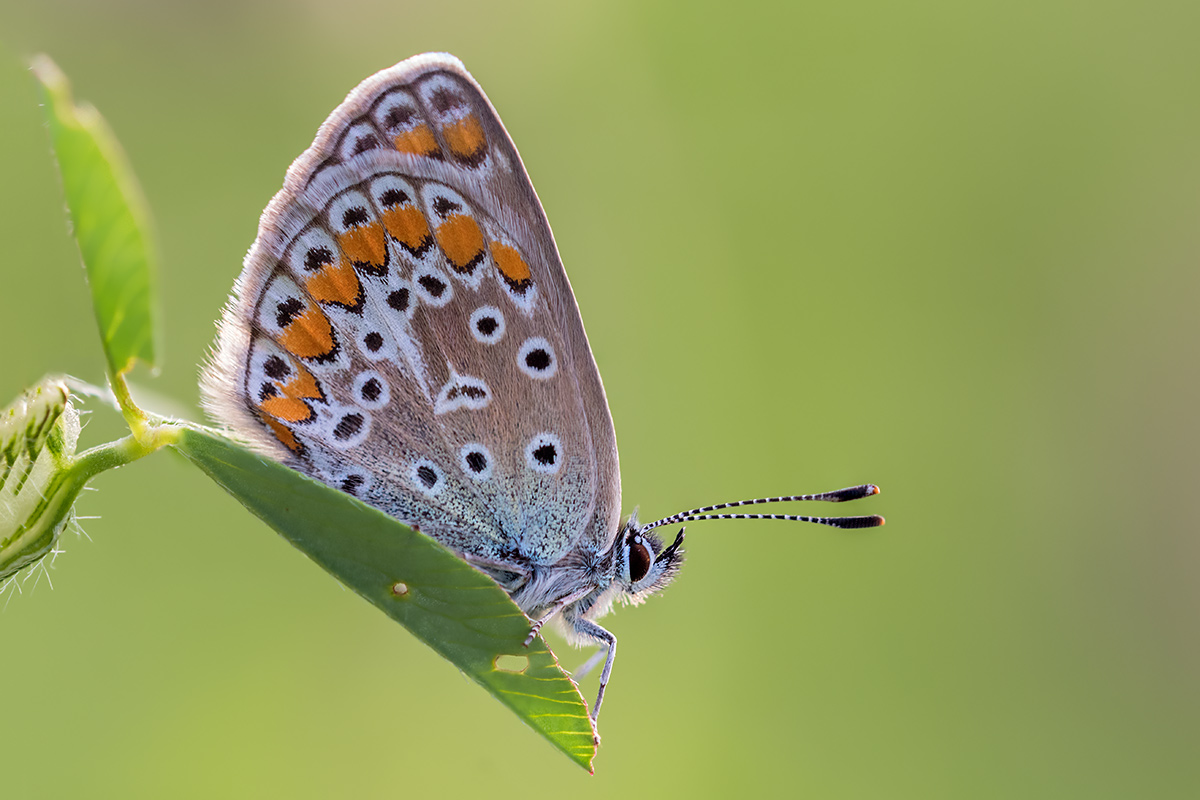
[403, 330]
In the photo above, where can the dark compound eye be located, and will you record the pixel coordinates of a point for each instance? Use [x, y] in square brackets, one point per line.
[639, 558]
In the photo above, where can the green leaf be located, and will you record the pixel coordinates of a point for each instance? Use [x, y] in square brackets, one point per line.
[109, 220]
[444, 602]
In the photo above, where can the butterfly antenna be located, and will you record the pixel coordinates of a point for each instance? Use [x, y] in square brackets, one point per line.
[839, 496]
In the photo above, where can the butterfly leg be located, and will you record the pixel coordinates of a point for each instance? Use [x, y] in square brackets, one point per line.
[585, 627]
[539, 622]
[586, 667]
[554, 609]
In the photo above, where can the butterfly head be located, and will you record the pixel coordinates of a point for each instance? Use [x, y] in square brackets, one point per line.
[644, 566]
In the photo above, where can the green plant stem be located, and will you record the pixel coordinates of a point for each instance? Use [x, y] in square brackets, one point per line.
[134, 416]
[92, 462]
[34, 533]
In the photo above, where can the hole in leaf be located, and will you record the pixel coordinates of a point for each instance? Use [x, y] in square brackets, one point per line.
[512, 663]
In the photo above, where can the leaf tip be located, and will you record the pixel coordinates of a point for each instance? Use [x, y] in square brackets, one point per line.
[47, 72]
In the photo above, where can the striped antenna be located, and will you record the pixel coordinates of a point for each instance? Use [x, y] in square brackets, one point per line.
[840, 496]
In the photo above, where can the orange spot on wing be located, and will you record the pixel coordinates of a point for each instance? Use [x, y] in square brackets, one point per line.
[365, 246]
[309, 335]
[288, 409]
[303, 385]
[510, 264]
[335, 283]
[407, 225]
[465, 138]
[419, 141]
[283, 434]
[462, 242]
[289, 405]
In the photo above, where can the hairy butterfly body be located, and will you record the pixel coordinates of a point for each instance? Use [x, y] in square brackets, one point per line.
[403, 329]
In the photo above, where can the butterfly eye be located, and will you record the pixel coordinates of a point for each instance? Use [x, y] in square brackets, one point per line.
[639, 558]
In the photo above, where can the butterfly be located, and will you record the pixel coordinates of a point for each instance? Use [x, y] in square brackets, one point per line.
[403, 330]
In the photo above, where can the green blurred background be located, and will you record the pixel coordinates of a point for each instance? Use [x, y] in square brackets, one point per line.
[947, 248]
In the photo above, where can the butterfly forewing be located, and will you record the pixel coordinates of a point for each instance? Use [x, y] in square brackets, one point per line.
[403, 329]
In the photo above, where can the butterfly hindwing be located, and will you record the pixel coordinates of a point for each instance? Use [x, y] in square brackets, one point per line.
[403, 329]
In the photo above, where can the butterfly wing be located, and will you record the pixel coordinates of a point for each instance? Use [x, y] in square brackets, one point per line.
[403, 329]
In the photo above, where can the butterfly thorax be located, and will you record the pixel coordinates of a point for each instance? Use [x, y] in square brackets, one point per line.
[586, 585]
